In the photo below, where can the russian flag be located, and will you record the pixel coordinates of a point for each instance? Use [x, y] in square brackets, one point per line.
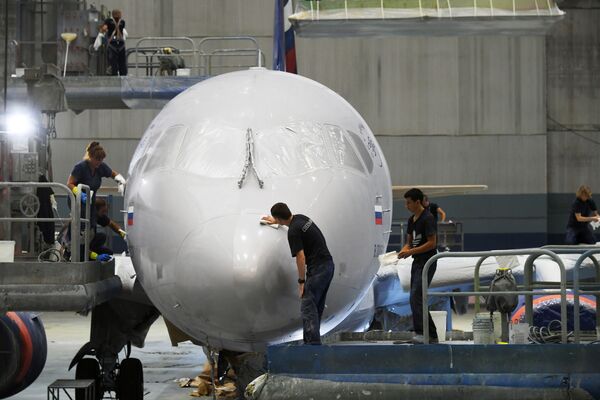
[284, 45]
[130, 216]
[378, 215]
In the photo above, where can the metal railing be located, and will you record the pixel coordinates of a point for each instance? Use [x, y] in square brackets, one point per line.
[75, 219]
[527, 289]
[200, 59]
[449, 235]
[185, 46]
[207, 55]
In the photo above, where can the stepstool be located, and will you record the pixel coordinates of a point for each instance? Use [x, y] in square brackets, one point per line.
[87, 385]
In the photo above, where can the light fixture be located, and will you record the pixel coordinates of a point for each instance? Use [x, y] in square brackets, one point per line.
[20, 123]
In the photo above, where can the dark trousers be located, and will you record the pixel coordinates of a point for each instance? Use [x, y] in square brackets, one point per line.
[583, 236]
[318, 279]
[97, 244]
[416, 296]
[117, 59]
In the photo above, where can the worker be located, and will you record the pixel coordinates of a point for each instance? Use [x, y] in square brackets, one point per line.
[90, 172]
[314, 263]
[421, 243]
[583, 211]
[434, 209]
[116, 35]
[97, 244]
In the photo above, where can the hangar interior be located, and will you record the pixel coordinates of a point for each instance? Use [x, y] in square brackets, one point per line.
[516, 113]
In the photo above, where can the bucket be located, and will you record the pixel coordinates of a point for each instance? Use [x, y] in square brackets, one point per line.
[182, 72]
[439, 319]
[483, 329]
[7, 250]
[518, 333]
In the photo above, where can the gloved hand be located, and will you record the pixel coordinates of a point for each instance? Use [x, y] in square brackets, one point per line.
[122, 233]
[104, 257]
[83, 195]
[122, 182]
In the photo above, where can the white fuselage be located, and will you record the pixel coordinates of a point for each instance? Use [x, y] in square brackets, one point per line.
[196, 242]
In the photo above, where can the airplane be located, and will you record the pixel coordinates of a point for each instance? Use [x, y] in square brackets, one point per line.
[211, 164]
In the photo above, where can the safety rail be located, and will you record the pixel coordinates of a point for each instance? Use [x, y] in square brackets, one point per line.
[199, 59]
[584, 252]
[207, 55]
[450, 234]
[528, 290]
[75, 218]
[163, 42]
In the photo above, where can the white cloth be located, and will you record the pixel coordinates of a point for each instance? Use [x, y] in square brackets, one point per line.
[98, 41]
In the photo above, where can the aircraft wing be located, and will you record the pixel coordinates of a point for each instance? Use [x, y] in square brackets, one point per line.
[392, 284]
[438, 190]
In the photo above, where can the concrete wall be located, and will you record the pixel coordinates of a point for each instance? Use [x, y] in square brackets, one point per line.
[573, 86]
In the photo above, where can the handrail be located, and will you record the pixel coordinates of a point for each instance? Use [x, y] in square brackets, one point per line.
[193, 49]
[558, 249]
[201, 54]
[75, 218]
[208, 54]
[585, 252]
[576, 292]
[533, 254]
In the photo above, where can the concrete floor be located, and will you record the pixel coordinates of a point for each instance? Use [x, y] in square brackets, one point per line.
[67, 332]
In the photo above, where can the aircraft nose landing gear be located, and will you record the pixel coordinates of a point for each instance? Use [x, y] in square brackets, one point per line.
[128, 384]
[130, 380]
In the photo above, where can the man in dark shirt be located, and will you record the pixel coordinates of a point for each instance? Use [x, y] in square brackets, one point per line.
[98, 242]
[315, 266]
[115, 36]
[421, 242]
[434, 209]
[583, 211]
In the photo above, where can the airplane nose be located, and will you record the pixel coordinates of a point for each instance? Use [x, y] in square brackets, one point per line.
[240, 272]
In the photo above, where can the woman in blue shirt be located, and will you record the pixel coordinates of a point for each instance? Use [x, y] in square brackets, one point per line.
[90, 172]
[583, 211]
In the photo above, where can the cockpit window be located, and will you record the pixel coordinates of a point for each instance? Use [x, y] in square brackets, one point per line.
[159, 149]
[292, 150]
[302, 147]
[213, 151]
[362, 150]
[218, 151]
[344, 154]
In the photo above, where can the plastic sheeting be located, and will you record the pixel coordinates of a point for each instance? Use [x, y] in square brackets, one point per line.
[296, 148]
[423, 17]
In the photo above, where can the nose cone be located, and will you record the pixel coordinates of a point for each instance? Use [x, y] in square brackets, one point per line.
[237, 277]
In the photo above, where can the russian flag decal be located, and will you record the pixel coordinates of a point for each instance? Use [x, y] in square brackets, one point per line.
[130, 216]
[378, 215]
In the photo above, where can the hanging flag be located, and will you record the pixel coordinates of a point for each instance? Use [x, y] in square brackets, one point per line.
[290, 40]
[284, 46]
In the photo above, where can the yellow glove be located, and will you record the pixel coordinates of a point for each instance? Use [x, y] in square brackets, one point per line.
[75, 190]
[122, 233]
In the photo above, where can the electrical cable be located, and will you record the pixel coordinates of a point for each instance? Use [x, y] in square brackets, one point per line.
[50, 255]
[545, 334]
[575, 132]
